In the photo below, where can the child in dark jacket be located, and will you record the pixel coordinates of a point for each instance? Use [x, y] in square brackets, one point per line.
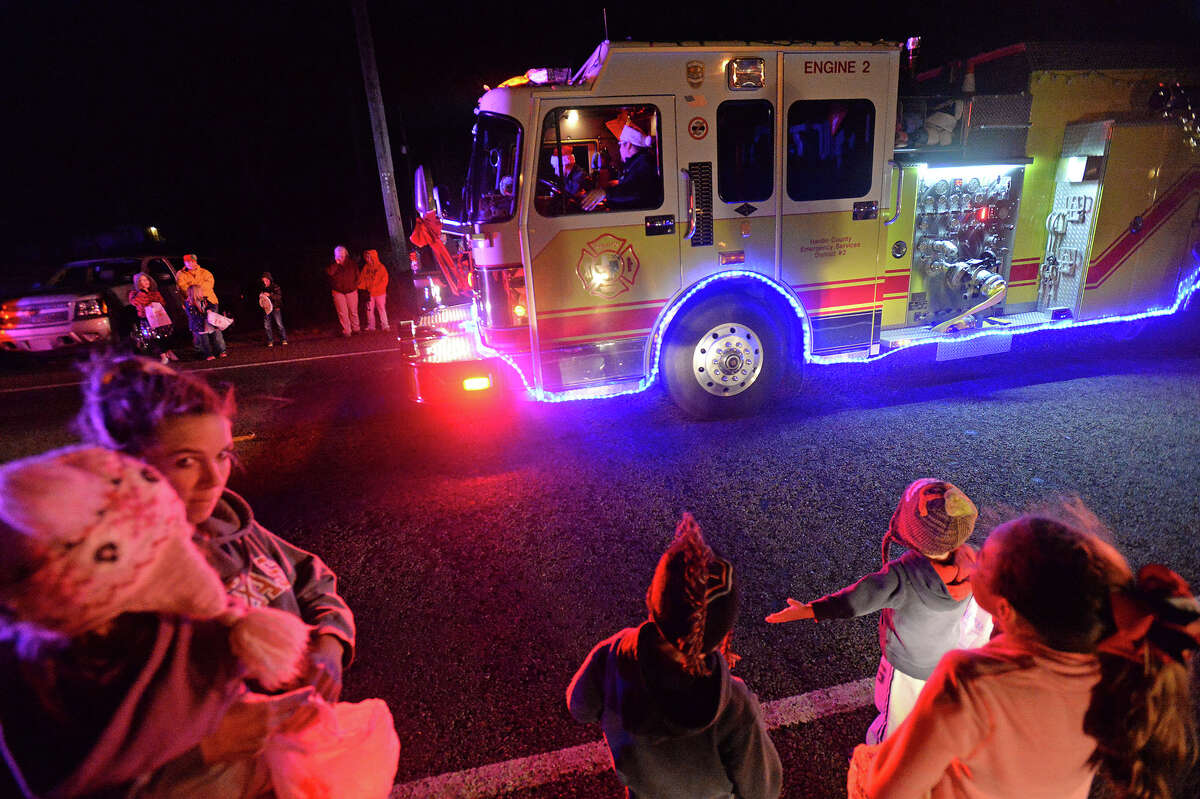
[207, 340]
[270, 299]
[677, 723]
[925, 595]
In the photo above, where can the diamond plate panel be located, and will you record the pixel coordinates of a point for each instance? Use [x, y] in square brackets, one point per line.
[1068, 239]
[999, 125]
[1089, 138]
[979, 345]
[1000, 109]
[446, 315]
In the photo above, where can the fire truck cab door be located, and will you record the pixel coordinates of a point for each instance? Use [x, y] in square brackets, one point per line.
[601, 274]
[837, 121]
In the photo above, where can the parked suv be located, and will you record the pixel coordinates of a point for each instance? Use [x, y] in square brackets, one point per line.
[87, 302]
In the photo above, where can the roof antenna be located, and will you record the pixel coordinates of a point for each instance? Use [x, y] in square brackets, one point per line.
[604, 11]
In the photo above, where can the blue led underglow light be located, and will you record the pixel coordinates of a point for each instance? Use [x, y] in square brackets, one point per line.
[474, 326]
[1187, 287]
[665, 319]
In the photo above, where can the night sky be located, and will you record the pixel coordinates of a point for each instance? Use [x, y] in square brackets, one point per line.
[243, 126]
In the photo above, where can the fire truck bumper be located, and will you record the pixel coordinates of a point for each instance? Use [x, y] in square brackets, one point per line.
[444, 365]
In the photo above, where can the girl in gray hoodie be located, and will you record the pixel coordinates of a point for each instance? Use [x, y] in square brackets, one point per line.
[925, 595]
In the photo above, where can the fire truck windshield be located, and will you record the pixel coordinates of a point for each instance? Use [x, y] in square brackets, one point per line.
[490, 194]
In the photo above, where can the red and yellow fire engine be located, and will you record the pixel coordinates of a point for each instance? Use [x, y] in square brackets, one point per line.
[715, 215]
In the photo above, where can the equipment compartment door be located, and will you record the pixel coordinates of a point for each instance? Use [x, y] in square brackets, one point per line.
[1148, 202]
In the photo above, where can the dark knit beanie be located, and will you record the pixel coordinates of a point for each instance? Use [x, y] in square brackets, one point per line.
[692, 599]
[932, 517]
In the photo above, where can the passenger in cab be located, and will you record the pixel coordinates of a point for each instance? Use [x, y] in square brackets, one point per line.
[639, 185]
[575, 180]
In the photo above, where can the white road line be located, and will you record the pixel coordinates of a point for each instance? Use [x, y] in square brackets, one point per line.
[535, 770]
[222, 367]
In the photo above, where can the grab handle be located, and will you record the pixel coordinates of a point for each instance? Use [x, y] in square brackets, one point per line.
[899, 188]
[691, 205]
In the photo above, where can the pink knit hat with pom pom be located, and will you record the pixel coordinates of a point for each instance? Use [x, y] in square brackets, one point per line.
[87, 534]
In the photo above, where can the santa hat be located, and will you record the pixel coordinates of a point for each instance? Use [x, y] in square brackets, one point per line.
[932, 517]
[624, 130]
[563, 160]
[87, 534]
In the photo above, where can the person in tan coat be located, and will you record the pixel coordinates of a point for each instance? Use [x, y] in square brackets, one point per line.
[374, 278]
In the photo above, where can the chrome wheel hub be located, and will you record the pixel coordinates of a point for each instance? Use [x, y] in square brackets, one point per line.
[727, 359]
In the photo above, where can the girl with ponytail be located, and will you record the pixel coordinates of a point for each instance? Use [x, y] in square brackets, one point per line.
[1088, 673]
[677, 723]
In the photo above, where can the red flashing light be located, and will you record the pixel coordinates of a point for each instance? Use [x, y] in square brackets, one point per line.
[982, 214]
[477, 383]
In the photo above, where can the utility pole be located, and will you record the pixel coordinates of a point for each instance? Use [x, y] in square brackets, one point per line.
[379, 130]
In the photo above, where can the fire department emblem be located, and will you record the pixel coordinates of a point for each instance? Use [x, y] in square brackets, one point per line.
[607, 266]
[695, 74]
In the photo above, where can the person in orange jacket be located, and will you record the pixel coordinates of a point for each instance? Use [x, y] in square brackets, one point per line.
[374, 278]
[195, 274]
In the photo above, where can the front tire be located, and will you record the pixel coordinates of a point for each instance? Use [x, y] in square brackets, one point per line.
[725, 357]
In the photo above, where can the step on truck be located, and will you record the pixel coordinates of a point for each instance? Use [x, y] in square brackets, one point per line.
[714, 216]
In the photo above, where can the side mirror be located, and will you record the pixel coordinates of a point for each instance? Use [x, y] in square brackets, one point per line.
[424, 192]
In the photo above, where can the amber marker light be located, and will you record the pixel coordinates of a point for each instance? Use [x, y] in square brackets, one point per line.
[477, 383]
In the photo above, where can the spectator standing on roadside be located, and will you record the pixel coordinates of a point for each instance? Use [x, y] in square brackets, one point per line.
[208, 340]
[270, 299]
[154, 324]
[178, 424]
[677, 723]
[374, 279]
[193, 274]
[343, 283]
[1089, 671]
[119, 648]
[925, 595]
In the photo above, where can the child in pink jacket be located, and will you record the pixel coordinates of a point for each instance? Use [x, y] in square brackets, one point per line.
[1089, 672]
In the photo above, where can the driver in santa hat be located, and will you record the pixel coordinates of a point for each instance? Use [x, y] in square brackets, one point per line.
[639, 185]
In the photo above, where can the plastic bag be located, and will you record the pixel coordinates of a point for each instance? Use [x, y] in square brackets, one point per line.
[860, 764]
[975, 626]
[157, 316]
[219, 321]
[350, 752]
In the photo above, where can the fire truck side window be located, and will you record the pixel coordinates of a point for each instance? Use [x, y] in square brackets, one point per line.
[610, 154]
[829, 149]
[745, 150]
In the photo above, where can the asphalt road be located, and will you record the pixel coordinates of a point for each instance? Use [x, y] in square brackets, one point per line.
[485, 551]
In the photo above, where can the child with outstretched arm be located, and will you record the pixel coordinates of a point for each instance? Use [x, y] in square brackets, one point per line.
[925, 596]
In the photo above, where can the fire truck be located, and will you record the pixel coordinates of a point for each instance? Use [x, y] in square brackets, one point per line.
[715, 216]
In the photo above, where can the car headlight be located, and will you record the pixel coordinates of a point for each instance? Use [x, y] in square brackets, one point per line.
[88, 309]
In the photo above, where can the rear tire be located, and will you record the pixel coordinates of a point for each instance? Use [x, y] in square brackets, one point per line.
[724, 357]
